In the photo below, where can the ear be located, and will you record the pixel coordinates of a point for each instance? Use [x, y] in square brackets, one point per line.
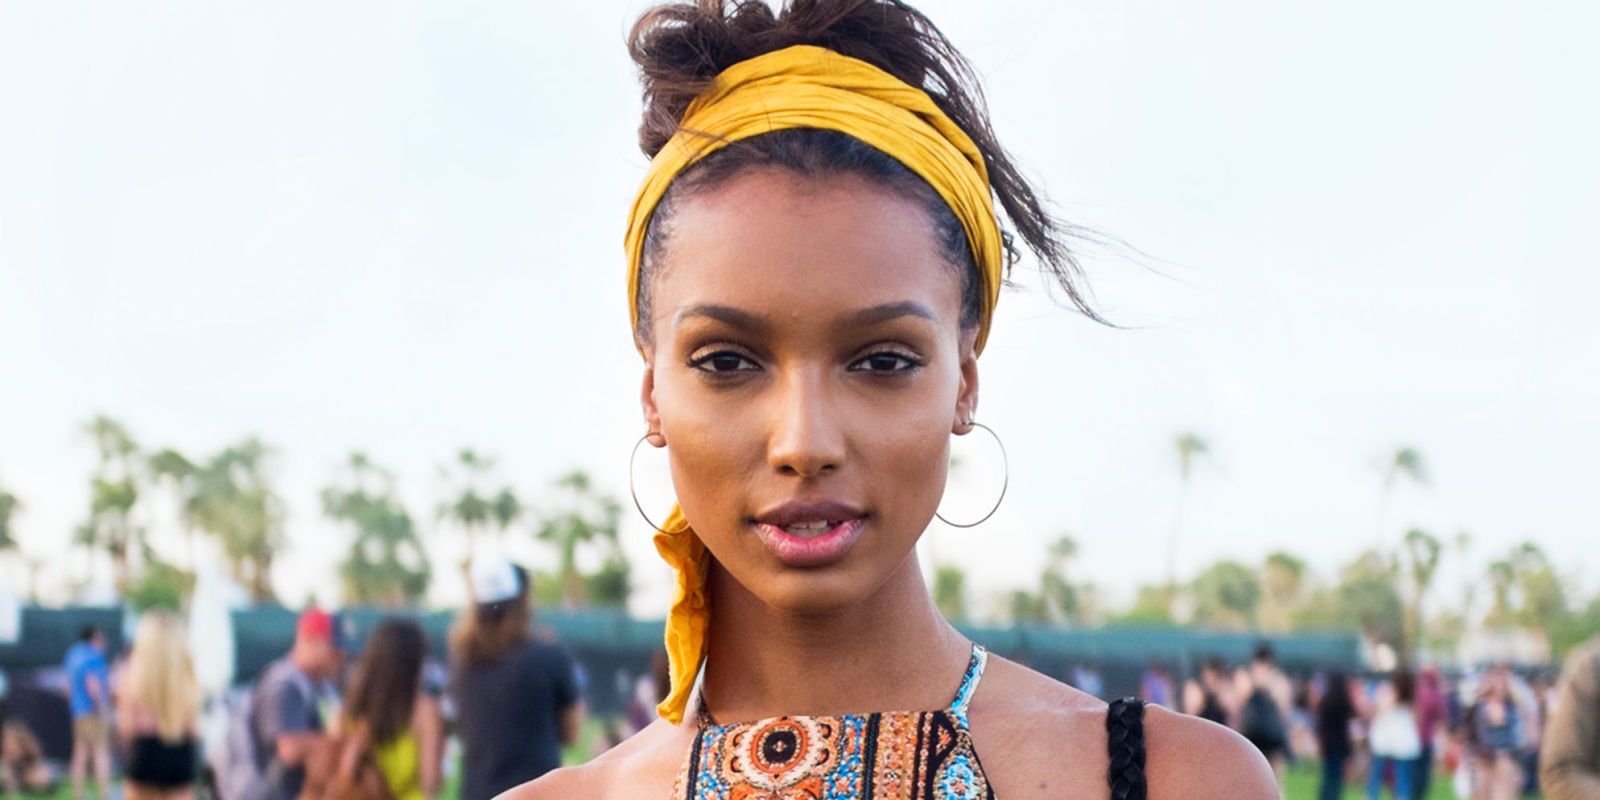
[967, 392]
[647, 401]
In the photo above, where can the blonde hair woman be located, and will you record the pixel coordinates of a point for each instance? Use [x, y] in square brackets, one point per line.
[158, 710]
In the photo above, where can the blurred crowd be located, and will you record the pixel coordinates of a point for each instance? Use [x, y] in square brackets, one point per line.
[1493, 733]
[316, 724]
[389, 722]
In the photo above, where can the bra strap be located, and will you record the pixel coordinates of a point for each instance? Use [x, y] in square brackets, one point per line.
[969, 684]
[1125, 742]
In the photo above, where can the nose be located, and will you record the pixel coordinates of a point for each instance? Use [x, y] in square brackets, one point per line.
[807, 438]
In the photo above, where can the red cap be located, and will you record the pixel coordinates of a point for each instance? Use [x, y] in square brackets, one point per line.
[318, 624]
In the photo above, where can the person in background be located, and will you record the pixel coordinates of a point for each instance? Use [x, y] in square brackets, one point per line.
[1395, 740]
[1208, 697]
[387, 710]
[1086, 679]
[287, 720]
[89, 689]
[648, 692]
[1497, 733]
[1334, 713]
[158, 711]
[22, 764]
[516, 696]
[23, 768]
[1432, 711]
[1264, 718]
[1569, 758]
[1155, 686]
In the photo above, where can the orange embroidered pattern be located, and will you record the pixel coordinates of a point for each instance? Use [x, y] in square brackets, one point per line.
[918, 755]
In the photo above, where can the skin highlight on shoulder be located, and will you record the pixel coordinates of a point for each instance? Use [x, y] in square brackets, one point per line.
[1040, 738]
[1195, 758]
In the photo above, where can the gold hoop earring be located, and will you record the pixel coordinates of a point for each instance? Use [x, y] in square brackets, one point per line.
[634, 493]
[1004, 482]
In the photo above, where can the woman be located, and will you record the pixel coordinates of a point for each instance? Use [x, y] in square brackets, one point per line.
[1208, 697]
[814, 262]
[1396, 743]
[1335, 711]
[516, 696]
[1497, 733]
[158, 711]
[386, 710]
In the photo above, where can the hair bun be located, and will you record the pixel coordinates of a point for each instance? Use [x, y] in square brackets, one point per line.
[681, 47]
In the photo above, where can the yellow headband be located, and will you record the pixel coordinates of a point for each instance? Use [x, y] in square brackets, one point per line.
[804, 87]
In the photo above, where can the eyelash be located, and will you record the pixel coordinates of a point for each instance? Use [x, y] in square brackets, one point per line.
[911, 363]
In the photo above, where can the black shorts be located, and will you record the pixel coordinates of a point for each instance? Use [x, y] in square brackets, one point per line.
[162, 765]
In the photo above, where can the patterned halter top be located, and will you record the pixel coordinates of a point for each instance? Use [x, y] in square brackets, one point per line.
[900, 755]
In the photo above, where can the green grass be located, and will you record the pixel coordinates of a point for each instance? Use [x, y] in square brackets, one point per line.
[1302, 785]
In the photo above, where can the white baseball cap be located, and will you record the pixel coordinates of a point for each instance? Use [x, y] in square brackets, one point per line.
[496, 580]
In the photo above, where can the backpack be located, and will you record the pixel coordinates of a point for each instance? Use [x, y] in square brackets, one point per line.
[1261, 722]
[240, 773]
[345, 768]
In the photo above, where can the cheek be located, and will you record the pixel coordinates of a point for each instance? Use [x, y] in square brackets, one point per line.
[907, 458]
[715, 445]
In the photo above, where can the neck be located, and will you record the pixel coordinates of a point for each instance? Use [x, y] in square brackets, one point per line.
[891, 651]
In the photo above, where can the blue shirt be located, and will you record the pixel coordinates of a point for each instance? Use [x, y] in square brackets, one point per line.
[286, 702]
[83, 661]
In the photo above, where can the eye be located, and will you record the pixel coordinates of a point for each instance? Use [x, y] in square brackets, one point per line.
[723, 362]
[885, 362]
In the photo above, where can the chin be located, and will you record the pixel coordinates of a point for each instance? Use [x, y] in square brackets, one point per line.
[817, 591]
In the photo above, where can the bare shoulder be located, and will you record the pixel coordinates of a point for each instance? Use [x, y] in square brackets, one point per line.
[1191, 757]
[1039, 738]
[645, 764]
[1036, 736]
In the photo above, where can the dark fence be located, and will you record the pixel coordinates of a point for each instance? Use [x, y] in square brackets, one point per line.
[613, 649]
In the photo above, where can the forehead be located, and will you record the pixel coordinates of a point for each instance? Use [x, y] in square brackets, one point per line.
[776, 243]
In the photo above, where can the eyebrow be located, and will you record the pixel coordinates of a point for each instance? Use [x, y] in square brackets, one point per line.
[888, 311]
[755, 322]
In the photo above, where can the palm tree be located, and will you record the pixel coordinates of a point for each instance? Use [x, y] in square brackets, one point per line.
[1502, 579]
[950, 591]
[1227, 594]
[1189, 446]
[9, 504]
[1056, 591]
[1406, 462]
[590, 517]
[177, 472]
[1422, 556]
[385, 564]
[1544, 601]
[472, 508]
[234, 501]
[1282, 586]
[113, 493]
[506, 510]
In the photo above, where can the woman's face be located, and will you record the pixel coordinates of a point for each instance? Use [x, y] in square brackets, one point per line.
[807, 371]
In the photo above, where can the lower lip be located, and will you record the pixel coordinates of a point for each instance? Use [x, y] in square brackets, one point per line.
[810, 551]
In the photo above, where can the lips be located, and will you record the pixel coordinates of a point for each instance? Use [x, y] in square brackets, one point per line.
[812, 534]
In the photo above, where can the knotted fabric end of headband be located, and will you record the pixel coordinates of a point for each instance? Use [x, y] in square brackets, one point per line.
[689, 618]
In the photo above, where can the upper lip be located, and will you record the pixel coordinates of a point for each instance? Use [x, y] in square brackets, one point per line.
[797, 511]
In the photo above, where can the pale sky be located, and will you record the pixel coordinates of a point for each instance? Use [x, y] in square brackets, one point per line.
[396, 226]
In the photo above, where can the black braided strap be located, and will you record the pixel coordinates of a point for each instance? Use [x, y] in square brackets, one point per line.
[1125, 742]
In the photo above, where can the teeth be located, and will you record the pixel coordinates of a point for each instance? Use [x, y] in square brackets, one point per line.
[808, 527]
